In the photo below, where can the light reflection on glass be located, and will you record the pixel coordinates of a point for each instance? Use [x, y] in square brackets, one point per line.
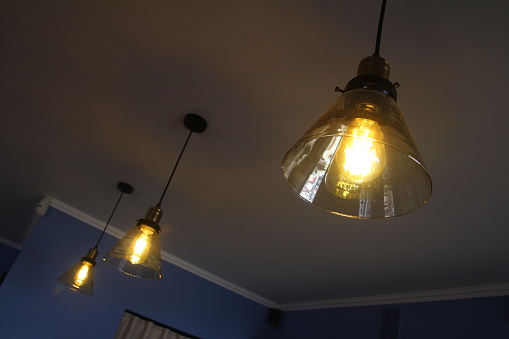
[388, 202]
[308, 191]
[365, 202]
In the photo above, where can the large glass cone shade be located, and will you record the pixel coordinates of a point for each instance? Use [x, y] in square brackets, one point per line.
[138, 253]
[80, 277]
[359, 159]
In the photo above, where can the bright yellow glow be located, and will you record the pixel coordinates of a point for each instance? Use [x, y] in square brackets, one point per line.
[141, 246]
[359, 157]
[82, 275]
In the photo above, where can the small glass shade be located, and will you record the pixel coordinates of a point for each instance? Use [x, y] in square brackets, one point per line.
[80, 277]
[138, 253]
[359, 159]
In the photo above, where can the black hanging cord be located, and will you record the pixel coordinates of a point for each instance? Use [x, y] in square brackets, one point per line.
[108, 222]
[380, 25]
[174, 168]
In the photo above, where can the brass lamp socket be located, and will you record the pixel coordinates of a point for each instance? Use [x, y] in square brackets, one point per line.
[152, 218]
[374, 65]
[91, 255]
[373, 73]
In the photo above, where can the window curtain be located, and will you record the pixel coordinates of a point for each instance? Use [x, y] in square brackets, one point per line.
[133, 327]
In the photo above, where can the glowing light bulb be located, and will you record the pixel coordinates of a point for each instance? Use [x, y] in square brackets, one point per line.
[141, 246]
[82, 274]
[359, 159]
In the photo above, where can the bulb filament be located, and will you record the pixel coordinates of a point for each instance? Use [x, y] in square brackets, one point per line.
[81, 276]
[141, 246]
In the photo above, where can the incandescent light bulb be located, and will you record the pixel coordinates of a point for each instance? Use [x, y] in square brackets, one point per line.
[359, 159]
[141, 245]
[82, 274]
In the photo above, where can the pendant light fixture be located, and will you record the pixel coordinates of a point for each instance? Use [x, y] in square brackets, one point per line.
[138, 253]
[359, 159]
[80, 277]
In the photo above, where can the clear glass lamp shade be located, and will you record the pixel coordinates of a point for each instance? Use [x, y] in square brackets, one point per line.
[359, 159]
[80, 277]
[138, 253]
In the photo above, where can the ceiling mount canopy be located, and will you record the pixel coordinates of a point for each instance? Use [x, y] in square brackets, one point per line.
[138, 253]
[359, 158]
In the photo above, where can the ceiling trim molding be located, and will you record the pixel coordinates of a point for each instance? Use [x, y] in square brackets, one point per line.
[480, 291]
[11, 244]
[112, 230]
[86, 218]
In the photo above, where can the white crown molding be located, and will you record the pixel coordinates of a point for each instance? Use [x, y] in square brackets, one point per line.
[11, 244]
[87, 219]
[112, 230]
[480, 291]
[217, 280]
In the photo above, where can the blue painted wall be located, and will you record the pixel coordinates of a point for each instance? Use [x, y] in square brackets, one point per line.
[350, 323]
[455, 319]
[34, 305]
[468, 318]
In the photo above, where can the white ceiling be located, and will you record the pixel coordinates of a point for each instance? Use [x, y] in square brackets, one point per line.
[94, 93]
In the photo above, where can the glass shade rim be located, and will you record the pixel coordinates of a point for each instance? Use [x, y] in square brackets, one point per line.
[424, 202]
[119, 264]
[414, 208]
[73, 287]
[67, 280]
